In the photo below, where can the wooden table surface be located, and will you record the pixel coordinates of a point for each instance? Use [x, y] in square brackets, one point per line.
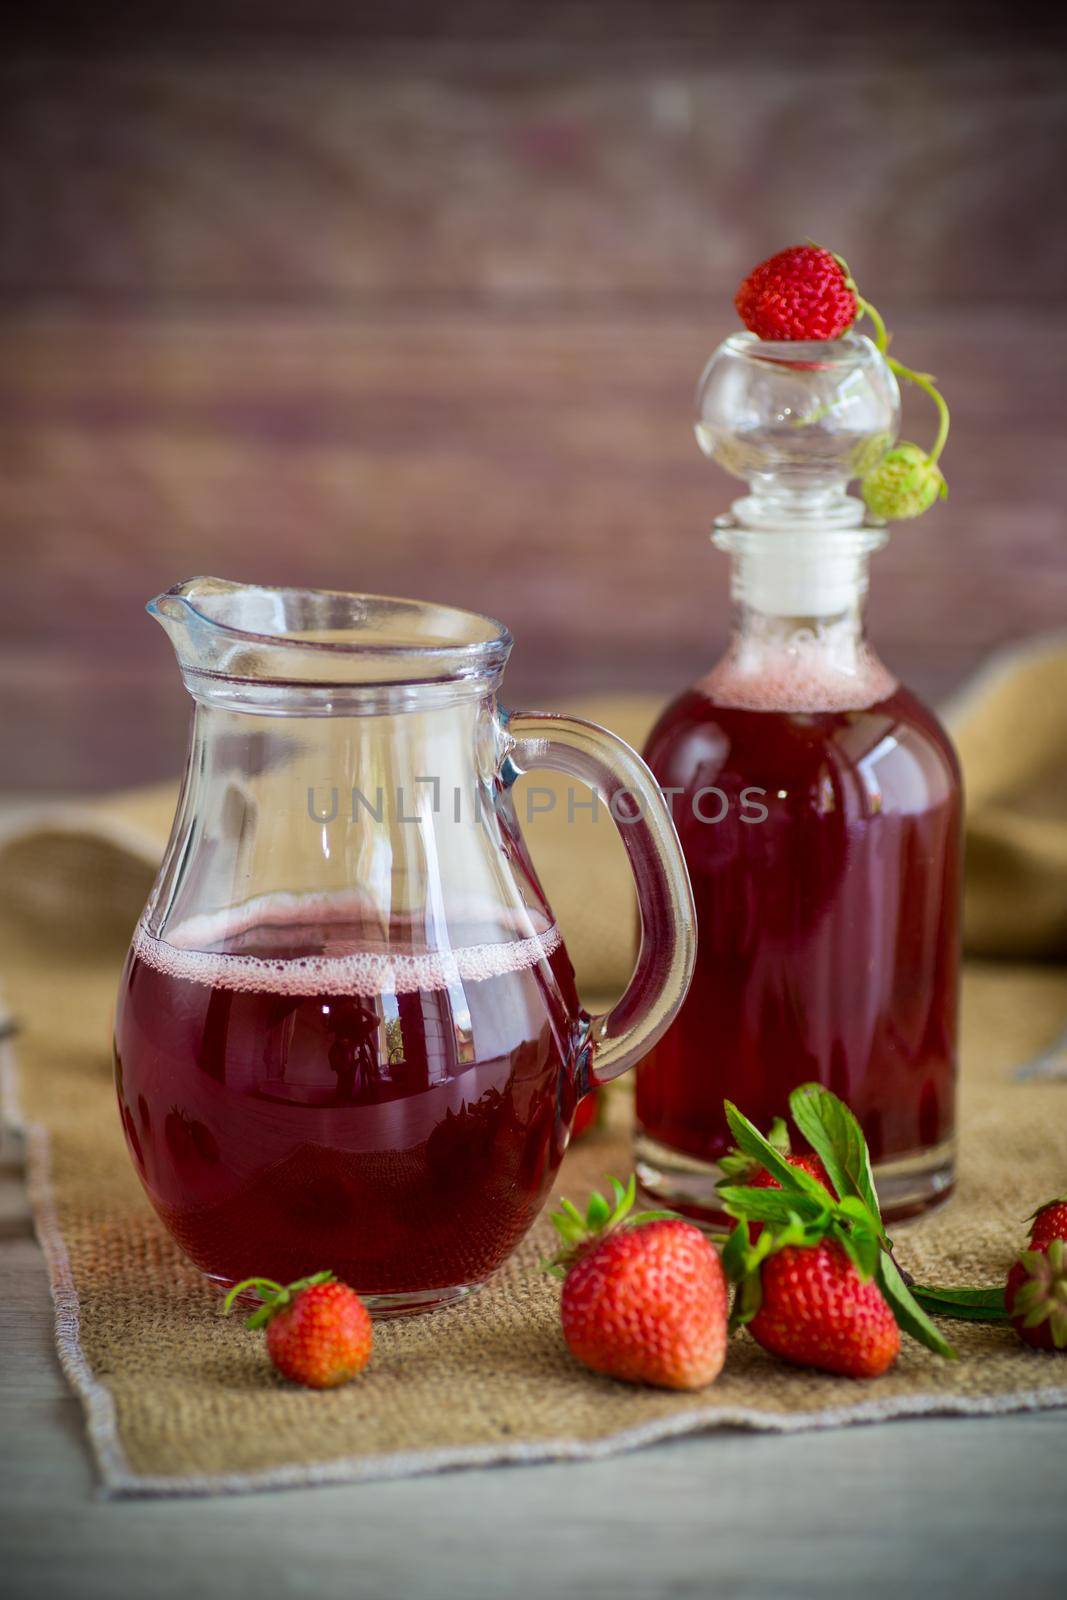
[969, 1508]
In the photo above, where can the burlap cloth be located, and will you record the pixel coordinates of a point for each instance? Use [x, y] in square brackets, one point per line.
[180, 1401]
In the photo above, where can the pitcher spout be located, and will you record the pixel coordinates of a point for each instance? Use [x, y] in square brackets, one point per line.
[325, 639]
[187, 626]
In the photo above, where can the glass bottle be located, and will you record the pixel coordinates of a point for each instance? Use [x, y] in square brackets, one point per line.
[818, 805]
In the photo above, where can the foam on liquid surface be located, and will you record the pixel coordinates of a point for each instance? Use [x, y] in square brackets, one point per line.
[366, 965]
[800, 678]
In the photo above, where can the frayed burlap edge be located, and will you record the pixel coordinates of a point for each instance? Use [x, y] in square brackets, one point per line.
[101, 1422]
[119, 1481]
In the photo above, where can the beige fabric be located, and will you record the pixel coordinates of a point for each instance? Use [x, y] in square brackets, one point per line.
[1010, 728]
[179, 1401]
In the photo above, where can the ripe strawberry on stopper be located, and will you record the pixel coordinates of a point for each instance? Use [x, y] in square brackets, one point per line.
[318, 1330]
[800, 293]
[807, 293]
[644, 1298]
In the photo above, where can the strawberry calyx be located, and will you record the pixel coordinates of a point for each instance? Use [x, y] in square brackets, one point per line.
[847, 1223]
[579, 1234]
[275, 1296]
[1042, 1297]
[986, 1302]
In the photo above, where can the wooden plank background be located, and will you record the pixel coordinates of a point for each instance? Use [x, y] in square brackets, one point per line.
[413, 299]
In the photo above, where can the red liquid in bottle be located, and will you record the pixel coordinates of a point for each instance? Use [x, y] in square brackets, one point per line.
[301, 1091]
[828, 929]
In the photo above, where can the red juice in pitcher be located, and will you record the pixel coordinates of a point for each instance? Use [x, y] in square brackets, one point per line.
[347, 1036]
[818, 806]
[300, 1089]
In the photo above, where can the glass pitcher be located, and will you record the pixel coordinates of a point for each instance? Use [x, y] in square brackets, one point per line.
[348, 1034]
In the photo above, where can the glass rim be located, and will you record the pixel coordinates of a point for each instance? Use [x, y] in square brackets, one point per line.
[383, 627]
[848, 349]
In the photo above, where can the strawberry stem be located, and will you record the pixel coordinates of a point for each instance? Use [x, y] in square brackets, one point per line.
[865, 309]
[922, 380]
[275, 1296]
[259, 1284]
[925, 382]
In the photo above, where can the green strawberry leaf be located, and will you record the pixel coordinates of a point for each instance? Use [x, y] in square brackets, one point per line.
[910, 1316]
[770, 1205]
[747, 1301]
[741, 1262]
[751, 1141]
[837, 1139]
[858, 1236]
[735, 1253]
[859, 1212]
[736, 1165]
[965, 1305]
[778, 1136]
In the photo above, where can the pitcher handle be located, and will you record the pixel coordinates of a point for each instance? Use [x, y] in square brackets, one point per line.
[667, 951]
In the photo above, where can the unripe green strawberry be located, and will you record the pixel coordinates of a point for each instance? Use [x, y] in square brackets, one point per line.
[904, 484]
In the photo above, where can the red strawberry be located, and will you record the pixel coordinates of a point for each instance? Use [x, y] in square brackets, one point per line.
[1049, 1222]
[808, 1163]
[1035, 1296]
[819, 1286]
[644, 1297]
[588, 1114]
[737, 1167]
[318, 1330]
[762, 1179]
[816, 1311]
[800, 293]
